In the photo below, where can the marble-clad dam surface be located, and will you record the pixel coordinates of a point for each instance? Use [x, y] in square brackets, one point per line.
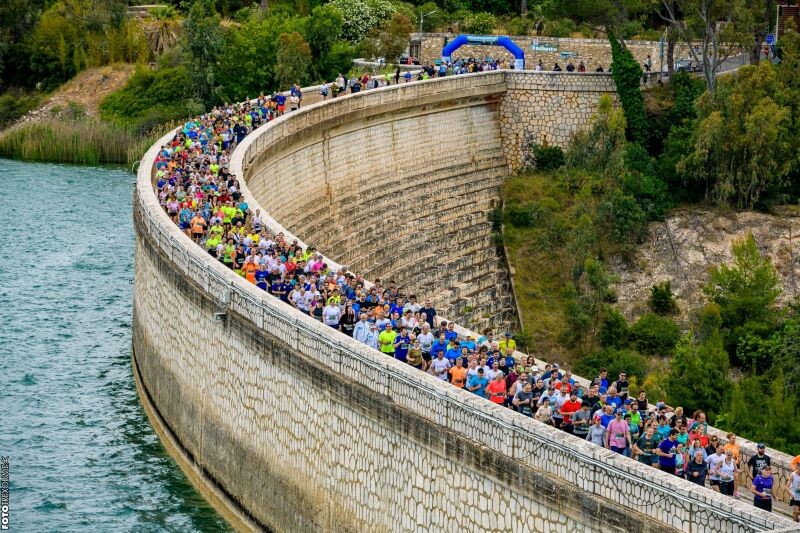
[290, 426]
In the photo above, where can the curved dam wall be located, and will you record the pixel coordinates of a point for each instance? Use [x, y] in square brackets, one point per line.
[304, 429]
[398, 183]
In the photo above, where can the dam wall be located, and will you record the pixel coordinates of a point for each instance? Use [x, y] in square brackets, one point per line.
[304, 429]
[397, 183]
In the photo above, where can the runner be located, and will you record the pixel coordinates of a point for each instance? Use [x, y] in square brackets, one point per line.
[794, 490]
[762, 489]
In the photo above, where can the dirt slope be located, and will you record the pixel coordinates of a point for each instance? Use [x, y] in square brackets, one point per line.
[86, 91]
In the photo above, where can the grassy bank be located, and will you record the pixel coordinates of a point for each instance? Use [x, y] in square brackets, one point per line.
[539, 272]
[86, 141]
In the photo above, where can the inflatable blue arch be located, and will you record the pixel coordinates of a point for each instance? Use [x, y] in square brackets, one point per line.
[486, 40]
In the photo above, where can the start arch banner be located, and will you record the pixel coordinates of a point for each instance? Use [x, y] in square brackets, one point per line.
[485, 40]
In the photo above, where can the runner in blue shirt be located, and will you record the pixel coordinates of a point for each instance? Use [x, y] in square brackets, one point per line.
[401, 345]
[666, 452]
[762, 489]
[477, 383]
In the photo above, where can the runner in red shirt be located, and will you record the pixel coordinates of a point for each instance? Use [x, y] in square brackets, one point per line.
[569, 407]
[496, 389]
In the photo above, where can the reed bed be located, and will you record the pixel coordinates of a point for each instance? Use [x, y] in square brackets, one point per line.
[85, 141]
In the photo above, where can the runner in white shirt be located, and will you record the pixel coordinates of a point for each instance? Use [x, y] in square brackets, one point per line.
[331, 314]
[714, 461]
[440, 367]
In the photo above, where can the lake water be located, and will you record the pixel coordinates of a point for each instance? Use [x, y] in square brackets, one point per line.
[82, 454]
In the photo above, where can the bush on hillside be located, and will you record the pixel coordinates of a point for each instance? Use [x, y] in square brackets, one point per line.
[151, 98]
[14, 105]
[655, 335]
[661, 301]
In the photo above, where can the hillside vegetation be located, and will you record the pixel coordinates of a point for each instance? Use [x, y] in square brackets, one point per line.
[570, 215]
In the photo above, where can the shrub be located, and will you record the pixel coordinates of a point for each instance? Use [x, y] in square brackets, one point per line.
[627, 75]
[614, 332]
[521, 216]
[15, 105]
[519, 25]
[151, 98]
[655, 335]
[480, 23]
[661, 301]
[547, 157]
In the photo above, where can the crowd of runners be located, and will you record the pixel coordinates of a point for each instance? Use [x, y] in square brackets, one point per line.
[197, 191]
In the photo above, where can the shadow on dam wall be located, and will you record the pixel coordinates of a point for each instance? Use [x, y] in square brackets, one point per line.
[302, 429]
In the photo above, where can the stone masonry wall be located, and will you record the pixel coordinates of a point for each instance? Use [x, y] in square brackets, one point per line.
[548, 108]
[306, 429]
[593, 52]
[304, 449]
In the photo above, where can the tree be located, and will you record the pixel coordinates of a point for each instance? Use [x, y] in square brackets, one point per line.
[760, 407]
[745, 142]
[323, 30]
[655, 335]
[391, 39]
[361, 16]
[745, 290]
[17, 18]
[763, 13]
[204, 45]
[600, 148]
[604, 16]
[480, 23]
[248, 59]
[294, 60]
[587, 307]
[627, 74]
[698, 376]
[720, 28]
[166, 30]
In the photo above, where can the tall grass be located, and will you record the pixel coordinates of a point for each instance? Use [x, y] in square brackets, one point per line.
[85, 141]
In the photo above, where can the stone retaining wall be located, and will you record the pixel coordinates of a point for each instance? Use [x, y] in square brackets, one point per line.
[306, 429]
[593, 52]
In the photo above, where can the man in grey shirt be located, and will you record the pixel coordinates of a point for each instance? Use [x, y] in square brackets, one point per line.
[581, 420]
